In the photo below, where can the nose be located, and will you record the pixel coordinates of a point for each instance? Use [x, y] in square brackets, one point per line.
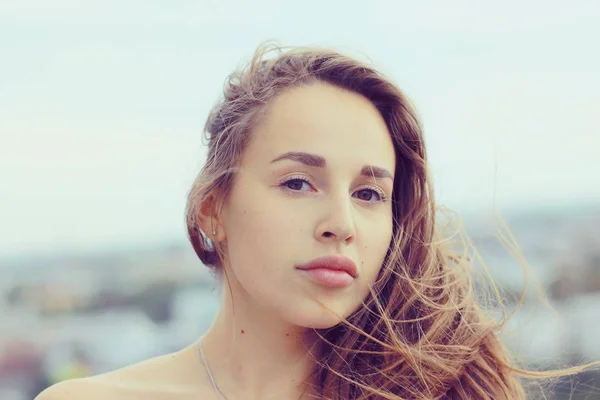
[337, 224]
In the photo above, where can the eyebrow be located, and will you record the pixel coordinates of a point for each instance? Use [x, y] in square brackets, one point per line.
[313, 160]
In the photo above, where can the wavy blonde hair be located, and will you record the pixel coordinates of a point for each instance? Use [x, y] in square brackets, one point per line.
[420, 333]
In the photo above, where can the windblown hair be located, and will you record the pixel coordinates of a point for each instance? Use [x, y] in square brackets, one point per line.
[420, 333]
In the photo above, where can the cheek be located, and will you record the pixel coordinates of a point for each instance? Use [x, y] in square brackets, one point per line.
[375, 248]
[261, 235]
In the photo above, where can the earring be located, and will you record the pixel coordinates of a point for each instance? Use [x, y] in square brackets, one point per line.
[214, 232]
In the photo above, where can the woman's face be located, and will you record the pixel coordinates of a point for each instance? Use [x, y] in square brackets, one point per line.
[315, 180]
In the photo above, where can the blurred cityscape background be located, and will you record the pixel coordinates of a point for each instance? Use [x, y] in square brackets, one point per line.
[74, 314]
[102, 104]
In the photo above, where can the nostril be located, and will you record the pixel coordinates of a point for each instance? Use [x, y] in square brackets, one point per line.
[328, 234]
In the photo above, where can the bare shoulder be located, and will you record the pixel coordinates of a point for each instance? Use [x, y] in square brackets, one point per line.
[73, 389]
[176, 374]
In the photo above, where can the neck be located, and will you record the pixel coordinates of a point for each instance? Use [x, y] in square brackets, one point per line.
[253, 354]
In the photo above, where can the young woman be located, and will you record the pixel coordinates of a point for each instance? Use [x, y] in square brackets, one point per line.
[315, 210]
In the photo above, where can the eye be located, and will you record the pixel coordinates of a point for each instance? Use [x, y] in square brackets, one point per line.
[370, 195]
[296, 184]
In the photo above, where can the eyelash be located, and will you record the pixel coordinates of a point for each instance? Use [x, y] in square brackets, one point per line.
[382, 196]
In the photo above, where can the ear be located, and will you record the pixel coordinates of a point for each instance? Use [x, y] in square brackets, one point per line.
[209, 219]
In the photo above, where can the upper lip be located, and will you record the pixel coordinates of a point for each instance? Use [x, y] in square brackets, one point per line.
[334, 261]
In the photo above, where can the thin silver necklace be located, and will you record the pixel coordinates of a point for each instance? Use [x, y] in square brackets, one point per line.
[218, 391]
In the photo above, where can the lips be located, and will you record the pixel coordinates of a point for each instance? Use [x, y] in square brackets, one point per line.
[331, 270]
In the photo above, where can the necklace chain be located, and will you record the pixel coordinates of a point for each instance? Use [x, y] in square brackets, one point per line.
[218, 391]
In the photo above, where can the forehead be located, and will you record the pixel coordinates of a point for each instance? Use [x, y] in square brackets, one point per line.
[326, 120]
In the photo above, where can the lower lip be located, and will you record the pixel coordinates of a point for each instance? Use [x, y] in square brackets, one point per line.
[329, 277]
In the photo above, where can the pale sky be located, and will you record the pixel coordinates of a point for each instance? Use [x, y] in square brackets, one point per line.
[102, 102]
